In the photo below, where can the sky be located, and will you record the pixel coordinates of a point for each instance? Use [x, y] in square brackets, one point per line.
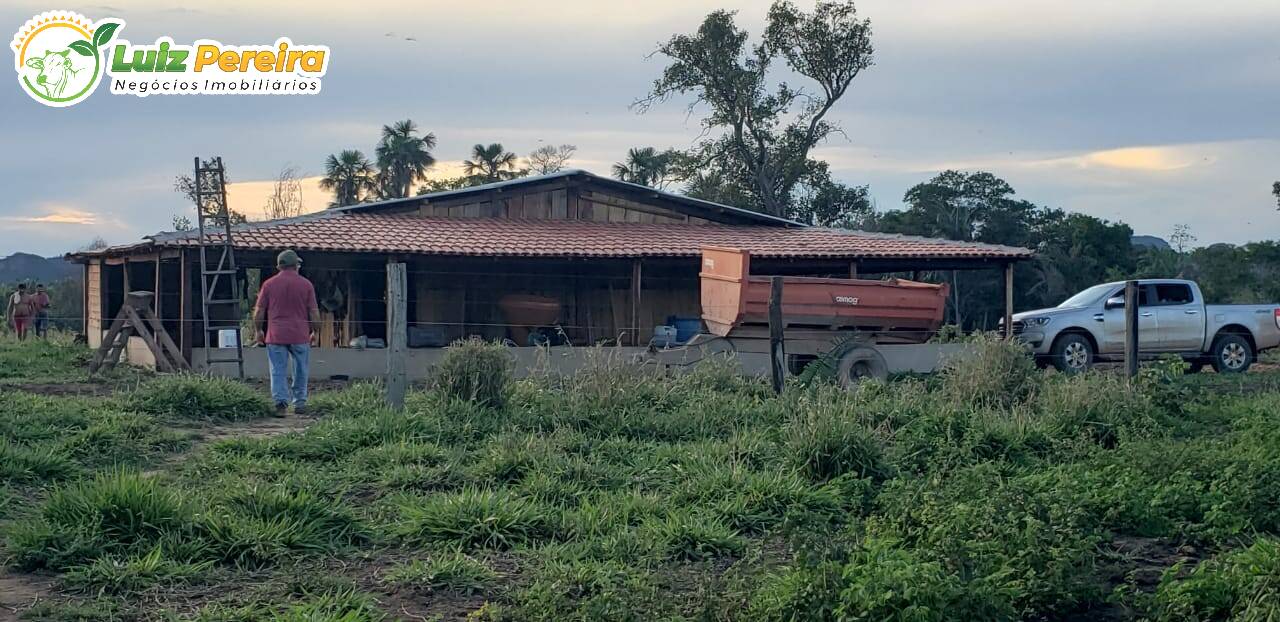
[1153, 113]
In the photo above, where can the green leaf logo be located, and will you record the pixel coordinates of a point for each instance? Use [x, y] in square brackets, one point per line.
[104, 33]
[82, 48]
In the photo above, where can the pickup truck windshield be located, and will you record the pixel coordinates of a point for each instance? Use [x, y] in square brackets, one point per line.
[1086, 297]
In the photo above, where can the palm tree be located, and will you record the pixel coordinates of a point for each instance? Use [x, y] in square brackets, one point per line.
[349, 175]
[645, 166]
[491, 163]
[404, 157]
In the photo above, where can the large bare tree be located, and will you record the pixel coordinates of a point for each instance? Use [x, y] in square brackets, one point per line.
[549, 159]
[758, 132]
[285, 200]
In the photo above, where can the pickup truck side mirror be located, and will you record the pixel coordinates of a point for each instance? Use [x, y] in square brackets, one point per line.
[1114, 303]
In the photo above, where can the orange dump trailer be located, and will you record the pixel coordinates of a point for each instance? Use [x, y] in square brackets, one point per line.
[907, 311]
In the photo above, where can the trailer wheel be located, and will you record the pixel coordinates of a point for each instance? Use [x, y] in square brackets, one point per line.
[859, 364]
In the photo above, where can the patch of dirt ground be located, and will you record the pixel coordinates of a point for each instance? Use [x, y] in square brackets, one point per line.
[18, 592]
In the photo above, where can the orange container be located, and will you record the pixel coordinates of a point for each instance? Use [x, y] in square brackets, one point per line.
[731, 297]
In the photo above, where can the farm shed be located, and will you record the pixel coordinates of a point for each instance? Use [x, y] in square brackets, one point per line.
[607, 260]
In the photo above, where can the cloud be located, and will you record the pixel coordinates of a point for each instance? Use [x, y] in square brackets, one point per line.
[57, 215]
[1135, 159]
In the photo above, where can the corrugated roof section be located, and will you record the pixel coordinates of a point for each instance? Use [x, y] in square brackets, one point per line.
[379, 233]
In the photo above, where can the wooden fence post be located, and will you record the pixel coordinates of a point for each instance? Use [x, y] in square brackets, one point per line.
[1131, 328]
[777, 352]
[397, 329]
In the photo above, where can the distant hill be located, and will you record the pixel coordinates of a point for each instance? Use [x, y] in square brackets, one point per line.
[28, 267]
[1149, 241]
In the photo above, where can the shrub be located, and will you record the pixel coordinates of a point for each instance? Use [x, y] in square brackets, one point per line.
[1242, 585]
[331, 520]
[189, 396]
[886, 582]
[137, 573]
[798, 593]
[358, 399]
[690, 536]
[262, 526]
[1099, 407]
[1022, 546]
[825, 443]
[118, 513]
[24, 464]
[344, 605]
[995, 372]
[579, 589]
[476, 371]
[473, 518]
[451, 571]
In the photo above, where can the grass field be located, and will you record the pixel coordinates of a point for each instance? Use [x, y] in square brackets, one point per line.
[994, 491]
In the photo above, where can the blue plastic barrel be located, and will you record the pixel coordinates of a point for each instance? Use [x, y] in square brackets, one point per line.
[686, 327]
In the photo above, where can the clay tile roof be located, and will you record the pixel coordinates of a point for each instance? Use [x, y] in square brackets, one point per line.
[403, 234]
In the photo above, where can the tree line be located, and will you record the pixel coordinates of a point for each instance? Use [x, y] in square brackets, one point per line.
[764, 106]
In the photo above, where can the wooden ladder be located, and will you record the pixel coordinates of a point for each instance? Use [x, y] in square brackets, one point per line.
[136, 317]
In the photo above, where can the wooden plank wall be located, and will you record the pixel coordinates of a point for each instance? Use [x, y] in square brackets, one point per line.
[93, 303]
[549, 203]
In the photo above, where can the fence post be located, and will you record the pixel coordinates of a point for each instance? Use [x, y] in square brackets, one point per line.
[396, 334]
[777, 353]
[1130, 329]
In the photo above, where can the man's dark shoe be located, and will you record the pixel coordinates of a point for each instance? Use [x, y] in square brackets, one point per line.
[282, 409]
[300, 410]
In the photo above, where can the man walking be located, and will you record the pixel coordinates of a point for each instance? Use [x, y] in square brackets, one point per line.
[286, 317]
[40, 304]
[19, 310]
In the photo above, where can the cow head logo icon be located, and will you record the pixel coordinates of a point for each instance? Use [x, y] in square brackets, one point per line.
[60, 56]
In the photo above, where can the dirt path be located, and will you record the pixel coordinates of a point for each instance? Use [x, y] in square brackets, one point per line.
[257, 428]
[18, 592]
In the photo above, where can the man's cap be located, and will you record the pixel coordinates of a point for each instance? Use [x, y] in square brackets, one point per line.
[288, 259]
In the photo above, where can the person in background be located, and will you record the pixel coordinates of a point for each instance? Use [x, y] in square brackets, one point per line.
[286, 318]
[19, 309]
[40, 302]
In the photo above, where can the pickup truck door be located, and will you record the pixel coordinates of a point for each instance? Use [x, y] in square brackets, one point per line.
[1180, 316]
[1113, 324]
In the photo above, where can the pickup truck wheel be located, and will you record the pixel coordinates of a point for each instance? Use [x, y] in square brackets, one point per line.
[1232, 354]
[1072, 354]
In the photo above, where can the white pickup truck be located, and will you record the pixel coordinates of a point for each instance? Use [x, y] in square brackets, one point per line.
[1172, 318]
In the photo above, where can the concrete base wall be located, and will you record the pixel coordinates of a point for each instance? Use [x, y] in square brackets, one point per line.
[329, 362]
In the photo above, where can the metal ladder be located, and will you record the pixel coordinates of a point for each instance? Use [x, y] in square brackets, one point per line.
[218, 295]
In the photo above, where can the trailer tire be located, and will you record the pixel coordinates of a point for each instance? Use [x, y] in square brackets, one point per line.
[1232, 354]
[859, 364]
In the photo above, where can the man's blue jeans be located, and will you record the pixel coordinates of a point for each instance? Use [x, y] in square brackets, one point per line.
[281, 390]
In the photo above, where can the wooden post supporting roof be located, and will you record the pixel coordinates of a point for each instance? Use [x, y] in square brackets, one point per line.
[184, 306]
[159, 292]
[636, 273]
[1008, 300]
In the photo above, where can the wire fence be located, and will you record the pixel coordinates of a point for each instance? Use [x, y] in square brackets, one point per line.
[471, 296]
